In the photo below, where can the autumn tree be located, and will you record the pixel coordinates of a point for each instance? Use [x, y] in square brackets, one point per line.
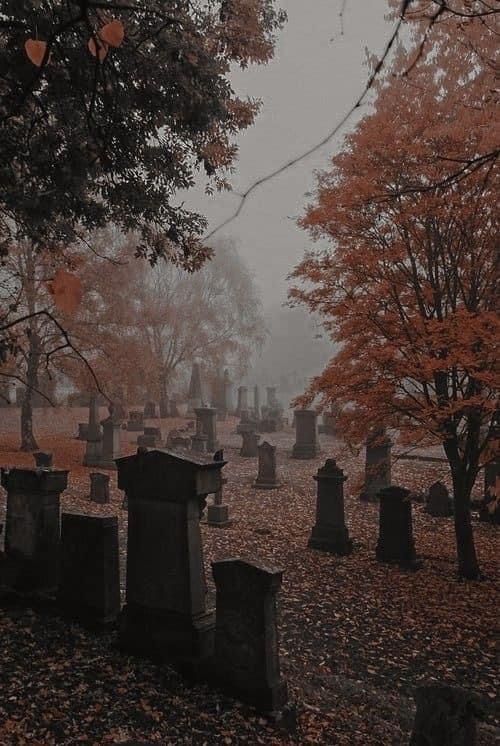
[408, 288]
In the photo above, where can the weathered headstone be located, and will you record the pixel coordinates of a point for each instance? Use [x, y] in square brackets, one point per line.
[218, 513]
[208, 418]
[173, 409]
[395, 540]
[195, 393]
[267, 478]
[242, 400]
[439, 503]
[164, 407]
[89, 589]
[43, 460]
[330, 533]
[199, 439]
[246, 633]
[150, 438]
[94, 435]
[271, 400]
[328, 424]
[99, 488]
[150, 410]
[256, 403]
[135, 423]
[306, 435]
[111, 448]
[445, 717]
[250, 443]
[165, 613]
[377, 464]
[489, 506]
[83, 430]
[32, 528]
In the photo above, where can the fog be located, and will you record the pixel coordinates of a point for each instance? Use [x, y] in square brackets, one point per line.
[315, 78]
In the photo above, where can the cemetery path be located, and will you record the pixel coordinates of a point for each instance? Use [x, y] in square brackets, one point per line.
[356, 636]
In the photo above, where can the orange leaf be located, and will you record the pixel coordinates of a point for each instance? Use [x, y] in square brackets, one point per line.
[113, 33]
[66, 289]
[99, 49]
[35, 51]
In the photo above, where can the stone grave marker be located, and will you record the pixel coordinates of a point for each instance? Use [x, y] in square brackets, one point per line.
[445, 716]
[135, 423]
[43, 460]
[195, 393]
[150, 438]
[267, 478]
[439, 503]
[99, 488]
[208, 418]
[89, 589]
[395, 540]
[256, 403]
[250, 443]
[306, 436]
[218, 513]
[150, 410]
[377, 464]
[83, 430]
[242, 400]
[246, 633]
[330, 533]
[93, 445]
[111, 448]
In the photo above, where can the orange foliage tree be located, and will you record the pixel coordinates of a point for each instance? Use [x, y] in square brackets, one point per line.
[408, 286]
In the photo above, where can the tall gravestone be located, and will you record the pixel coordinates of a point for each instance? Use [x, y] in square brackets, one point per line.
[267, 477]
[377, 464]
[218, 513]
[445, 716]
[195, 392]
[256, 403]
[32, 530]
[165, 613]
[306, 434]
[173, 408]
[207, 416]
[111, 448]
[199, 439]
[395, 540]
[246, 633]
[242, 400]
[94, 435]
[330, 533]
[89, 589]
[150, 412]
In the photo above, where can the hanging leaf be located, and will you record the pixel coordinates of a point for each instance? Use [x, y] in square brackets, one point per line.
[112, 33]
[35, 51]
[97, 48]
[66, 290]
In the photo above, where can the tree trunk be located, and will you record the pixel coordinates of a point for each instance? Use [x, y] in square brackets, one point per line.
[28, 441]
[468, 566]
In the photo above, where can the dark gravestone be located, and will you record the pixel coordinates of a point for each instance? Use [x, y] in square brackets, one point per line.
[83, 430]
[199, 439]
[111, 448]
[89, 589]
[267, 478]
[207, 416]
[439, 503]
[377, 464]
[395, 540]
[32, 529]
[249, 446]
[150, 410]
[43, 460]
[99, 488]
[246, 634]
[173, 409]
[165, 614]
[164, 407]
[445, 717]
[151, 438]
[94, 435]
[489, 506]
[328, 424]
[195, 392]
[218, 513]
[242, 400]
[330, 533]
[306, 438]
[135, 422]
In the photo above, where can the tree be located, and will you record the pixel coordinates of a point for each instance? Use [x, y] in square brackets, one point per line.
[409, 286]
[142, 326]
[107, 109]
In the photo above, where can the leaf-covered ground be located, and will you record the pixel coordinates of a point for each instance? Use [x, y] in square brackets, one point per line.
[357, 636]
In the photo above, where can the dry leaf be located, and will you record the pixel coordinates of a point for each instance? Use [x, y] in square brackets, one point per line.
[112, 33]
[35, 51]
[97, 48]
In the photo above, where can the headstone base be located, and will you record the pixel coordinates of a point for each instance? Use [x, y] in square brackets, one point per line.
[265, 700]
[411, 563]
[166, 636]
[330, 539]
[218, 515]
[266, 485]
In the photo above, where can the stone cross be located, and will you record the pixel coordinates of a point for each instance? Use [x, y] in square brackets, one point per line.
[395, 540]
[99, 487]
[166, 614]
[306, 436]
[89, 589]
[439, 503]
[330, 533]
[208, 419]
[32, 527]
[267, 478]
[246, 634]
[445, 715]
[377, 464]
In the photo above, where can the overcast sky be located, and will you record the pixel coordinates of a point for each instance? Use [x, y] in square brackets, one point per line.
[316, 76]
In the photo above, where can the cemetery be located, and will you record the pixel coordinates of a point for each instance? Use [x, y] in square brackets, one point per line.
[308, 614]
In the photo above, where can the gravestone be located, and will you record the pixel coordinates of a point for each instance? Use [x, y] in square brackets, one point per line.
[164, 407]
[489, 506]
[94, 435]
[377, 464]
[208, 419]
[83, 430]
[267, 478]
[135, 423]
[246, 633]
[195, 392]
[199, 439]
[218, 513]
[271, 400]
[256, 403]
[176, 441]
[330, 533]
[165, 615]
[328, 424]
[150, 438]
[242, 400]
[395, 540]
[32, 528]
[89, 589]
[43, 460]
[150, 410]
[250, 443]
[306, 437]
[99, 488]
[445, 716]
[173, 409]
[439, 503]
[111, 448]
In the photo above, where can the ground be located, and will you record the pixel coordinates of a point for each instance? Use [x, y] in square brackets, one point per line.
[356, 636]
